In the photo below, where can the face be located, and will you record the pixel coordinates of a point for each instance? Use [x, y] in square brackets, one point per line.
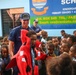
[72, 53]
[50, 49]
[69, 40]
[4, 52]
[33, 39]
[24, 23]
[43, 45]
[45, 35]
[63, 40]
[55, 41]
[62, 33]
[61, 49]
[64, 48]
[35, 23]
[74, 33]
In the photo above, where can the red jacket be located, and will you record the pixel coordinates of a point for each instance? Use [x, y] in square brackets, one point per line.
[23, 57]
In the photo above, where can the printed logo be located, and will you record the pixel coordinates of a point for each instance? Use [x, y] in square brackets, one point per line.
[39, 4]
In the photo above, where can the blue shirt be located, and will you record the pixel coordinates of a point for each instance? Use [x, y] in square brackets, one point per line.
[15, 37]
[36, 29]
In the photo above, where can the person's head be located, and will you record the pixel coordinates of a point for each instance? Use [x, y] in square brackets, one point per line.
[24, 18]
[55, 41]
[4, 51]
[60, 65]
[44, 34]
[49, 41]
[60, 49]
[35, 22]
[65, 47]
[63, 40]
[43, 46]
[71, 40]
[62, 32]
[74, 32]
[50, 48]
[32, 35]
[72, 51]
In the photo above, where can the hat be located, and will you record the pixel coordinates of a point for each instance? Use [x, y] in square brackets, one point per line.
[25, 16]
[36, 20]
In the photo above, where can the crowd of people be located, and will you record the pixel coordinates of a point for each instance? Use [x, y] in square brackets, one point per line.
[45, 56]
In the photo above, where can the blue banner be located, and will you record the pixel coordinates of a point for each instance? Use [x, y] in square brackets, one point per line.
[54, 14]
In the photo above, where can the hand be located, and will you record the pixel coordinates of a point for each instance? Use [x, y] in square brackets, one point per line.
[28, 68]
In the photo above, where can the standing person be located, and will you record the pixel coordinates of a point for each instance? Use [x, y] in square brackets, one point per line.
[14, 36]
[36, 28]
[25, 57]
[64, 34]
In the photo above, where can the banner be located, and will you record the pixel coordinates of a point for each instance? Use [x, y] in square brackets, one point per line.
[54, 14]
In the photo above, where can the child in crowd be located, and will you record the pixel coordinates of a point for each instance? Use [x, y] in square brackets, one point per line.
[44, 36]
[55, 42]
[49, 41]
[5, 41]
[50, 54]
[74, 32]
[43, 47]
[50, 48]
[6, 60]
[72, 52]
[65, 47]
[60, 49]
[63, 40]
[60, 65]
[71, 40]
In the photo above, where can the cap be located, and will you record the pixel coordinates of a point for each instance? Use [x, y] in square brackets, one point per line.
[25, 16]
[36, 20]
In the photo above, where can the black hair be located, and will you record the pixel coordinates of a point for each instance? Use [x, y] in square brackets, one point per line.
[62, 30]
[51, 45]
[60, 65]
[74, 31]
[72, 37]
[4, 46]
[30, 33]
